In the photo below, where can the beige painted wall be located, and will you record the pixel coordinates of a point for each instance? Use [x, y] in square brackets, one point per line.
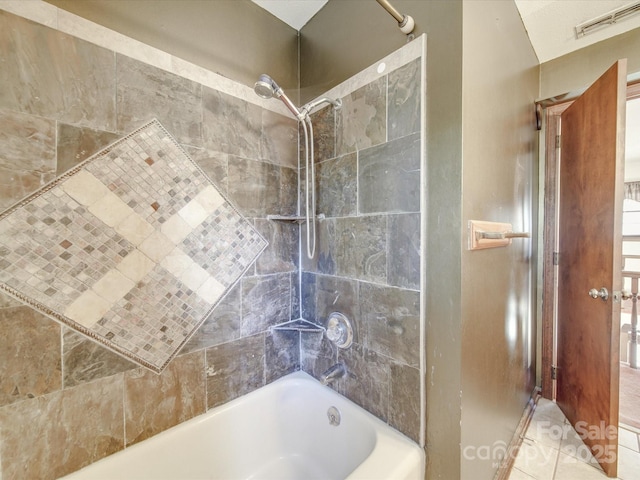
[500, 84]
[224, 36]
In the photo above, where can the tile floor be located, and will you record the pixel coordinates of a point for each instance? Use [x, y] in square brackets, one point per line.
[553, 450]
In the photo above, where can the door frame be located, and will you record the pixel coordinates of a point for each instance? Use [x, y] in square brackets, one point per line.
[552, 111]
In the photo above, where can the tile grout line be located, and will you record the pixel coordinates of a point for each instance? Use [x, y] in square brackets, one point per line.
[555, 467]
[62, 362]
[204, 380]
[115, 90]
[124, 412]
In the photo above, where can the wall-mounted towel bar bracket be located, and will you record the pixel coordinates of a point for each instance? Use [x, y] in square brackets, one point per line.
[491, 234]
[500, 235]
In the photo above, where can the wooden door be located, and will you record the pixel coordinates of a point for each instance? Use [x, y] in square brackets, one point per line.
[590, 244]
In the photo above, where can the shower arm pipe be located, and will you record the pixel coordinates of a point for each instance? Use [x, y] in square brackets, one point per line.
[306, 109]
[405, 22]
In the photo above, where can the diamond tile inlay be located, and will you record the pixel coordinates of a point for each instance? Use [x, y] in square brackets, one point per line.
[133, 248]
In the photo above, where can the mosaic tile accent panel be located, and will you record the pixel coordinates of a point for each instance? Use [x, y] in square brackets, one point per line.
[133, 248]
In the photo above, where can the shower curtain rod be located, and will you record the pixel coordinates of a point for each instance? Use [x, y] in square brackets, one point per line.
[405, 22]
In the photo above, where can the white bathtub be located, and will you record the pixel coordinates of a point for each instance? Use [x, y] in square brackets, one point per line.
[279, 432]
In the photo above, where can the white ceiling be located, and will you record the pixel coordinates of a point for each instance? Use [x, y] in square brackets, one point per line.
[550, 24]
[295, 13]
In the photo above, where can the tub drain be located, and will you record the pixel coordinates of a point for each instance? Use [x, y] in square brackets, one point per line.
[334, 416]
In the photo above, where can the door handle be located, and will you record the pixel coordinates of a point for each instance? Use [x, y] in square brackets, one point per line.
[603, 293]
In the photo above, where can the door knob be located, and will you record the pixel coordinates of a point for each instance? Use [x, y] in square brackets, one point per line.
[603, 293]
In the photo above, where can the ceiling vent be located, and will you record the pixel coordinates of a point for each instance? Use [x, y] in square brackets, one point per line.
[607, 19]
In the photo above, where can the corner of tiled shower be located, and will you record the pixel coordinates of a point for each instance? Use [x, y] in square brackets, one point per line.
[367, 265]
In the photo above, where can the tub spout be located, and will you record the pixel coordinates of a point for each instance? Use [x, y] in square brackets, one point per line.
[333, 374]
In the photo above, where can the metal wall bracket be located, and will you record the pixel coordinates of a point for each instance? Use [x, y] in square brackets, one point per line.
[491, 234]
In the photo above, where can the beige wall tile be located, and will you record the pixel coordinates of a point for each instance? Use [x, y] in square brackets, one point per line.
[30, 363]
[136, 265]
[7, 301]
[193, 213]
[145, 92]
[404, 405]
[111, 210]
[76, 144]
[194, 276]
[67, 79]
[176, 262]
[156, 246]
[27, 155]
[85, 188]
[209, 199]
[176, 229]
[279, 139]
[135, 229]
[87, 309]
[56, 434]
[84, 360]
[234, 369]
[154, 403]
[214, 164]
[231, 125]
[222, 325]
[211, 290]
[113, 286]
[28, 142]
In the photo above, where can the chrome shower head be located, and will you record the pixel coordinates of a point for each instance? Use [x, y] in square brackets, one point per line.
[265, 87]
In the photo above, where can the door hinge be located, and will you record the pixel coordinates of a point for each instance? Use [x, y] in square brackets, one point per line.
[554, 372]
[556, 258]
[558, 140]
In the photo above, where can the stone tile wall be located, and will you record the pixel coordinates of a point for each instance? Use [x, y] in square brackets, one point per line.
[367, 264]
[66, 401]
